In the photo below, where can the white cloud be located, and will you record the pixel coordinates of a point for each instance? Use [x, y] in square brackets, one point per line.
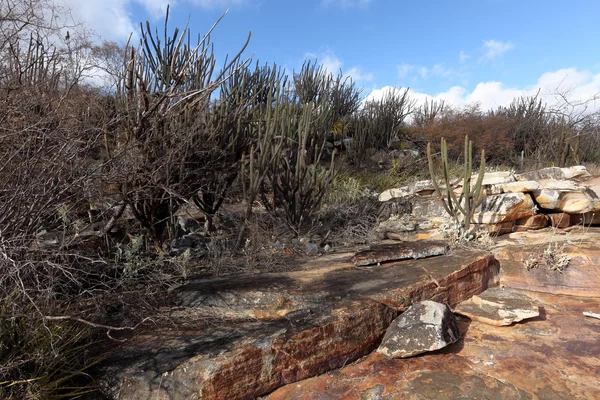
[404, 70]
[334, 64]
[331, 63]
[464, 57]
[578, 86]
[494, 49]
[357, 75]
[438, 70]
[112, 19]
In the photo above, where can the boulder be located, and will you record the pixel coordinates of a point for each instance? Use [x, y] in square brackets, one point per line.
[500, 228]
[394, 206]
[593, 189]
[576, 173]
[499, 307]
[538, 221]
[398, 251]
[420, 188]
[559, 220]
[492, 182]
[511, 187]
[495, 178]
[503, 207]
[426, 207]
[426, 326]
[562, 200]
[396, 225]
[589, 218]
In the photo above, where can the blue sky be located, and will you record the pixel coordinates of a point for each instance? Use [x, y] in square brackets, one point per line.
[485, 51]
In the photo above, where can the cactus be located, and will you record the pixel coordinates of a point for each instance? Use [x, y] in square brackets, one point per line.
[462, 208]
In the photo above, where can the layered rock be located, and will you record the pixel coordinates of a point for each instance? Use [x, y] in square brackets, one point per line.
[512, 203]
[503, 207]
[377, 254]
[302, 324]
[554, 357]
[499, 306]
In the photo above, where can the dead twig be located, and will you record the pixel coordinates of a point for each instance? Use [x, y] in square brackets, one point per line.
[591, 314]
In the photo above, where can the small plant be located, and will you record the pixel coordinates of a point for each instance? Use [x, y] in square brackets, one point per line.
[461, 208]
[130, 256]
[344, 189]
[552, 258]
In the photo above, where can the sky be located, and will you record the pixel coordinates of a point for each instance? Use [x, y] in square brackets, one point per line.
[461, 51]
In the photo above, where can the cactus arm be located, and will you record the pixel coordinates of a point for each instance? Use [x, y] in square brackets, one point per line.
[434, 178]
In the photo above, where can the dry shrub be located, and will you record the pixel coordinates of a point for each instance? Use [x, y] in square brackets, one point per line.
[489, 132]
[350, 224]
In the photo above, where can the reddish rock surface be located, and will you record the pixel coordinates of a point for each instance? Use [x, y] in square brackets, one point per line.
[580, 278]
[499, 306]
[554, 356]
[334, 314]
[538, 221]
[560, 220]
[399, 251]
[244, 359]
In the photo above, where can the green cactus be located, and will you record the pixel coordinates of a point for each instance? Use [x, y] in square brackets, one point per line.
[461, 208]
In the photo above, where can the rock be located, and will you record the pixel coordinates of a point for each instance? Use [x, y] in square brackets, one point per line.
[420, 188]
[396, 225]
[559, 220]
[427, 207]
[501, 228]
[544, 173]
[394, 206]
[311, 249]
[499, 307]
[424, 327]
[511, 187]
[593, 189]
[586, 219]
[503, 207]
[572, 202]
[538, 221]
[577, 172]
[495, 178]
[548, 358]
[398, 251]
[559, 184]
[428, 234]
[581, 278]
[242, 359]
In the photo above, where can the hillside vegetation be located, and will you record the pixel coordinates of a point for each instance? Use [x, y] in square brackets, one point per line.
[124, 170]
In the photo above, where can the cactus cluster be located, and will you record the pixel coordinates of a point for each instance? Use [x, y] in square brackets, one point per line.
[460, 208]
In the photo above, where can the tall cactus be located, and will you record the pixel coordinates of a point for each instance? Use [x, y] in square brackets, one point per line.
[461, 208]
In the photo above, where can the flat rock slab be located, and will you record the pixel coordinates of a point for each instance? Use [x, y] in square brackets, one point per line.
[399, 251]
[334, 315]
[447, 280]
[499, 306]
[553, 356]
[580, 278]
[242, 359]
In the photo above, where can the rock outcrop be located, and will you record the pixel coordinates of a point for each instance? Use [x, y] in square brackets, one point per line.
[560, 197]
